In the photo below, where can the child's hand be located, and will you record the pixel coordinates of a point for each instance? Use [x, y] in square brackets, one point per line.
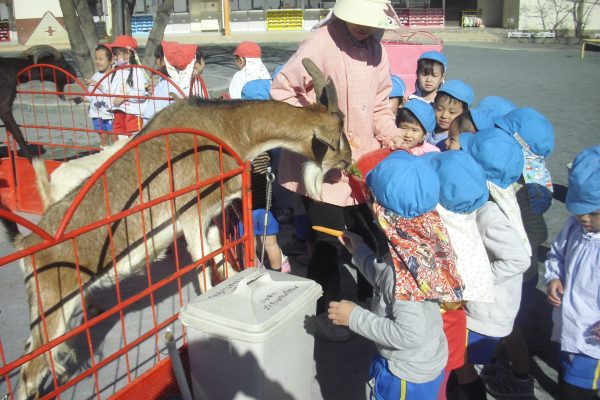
[339, 312]
[555, 292]
[351, 241]
[596, 330]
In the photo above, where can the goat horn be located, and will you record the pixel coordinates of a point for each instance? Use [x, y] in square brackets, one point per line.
[318, 79]
[39, 51]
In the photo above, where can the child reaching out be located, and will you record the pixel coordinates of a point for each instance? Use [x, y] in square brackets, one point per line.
[431, 70]
[416, 119]
[408, 283]
[573, 281]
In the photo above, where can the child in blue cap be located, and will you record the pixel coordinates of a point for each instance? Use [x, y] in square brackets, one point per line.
[573, 281]
[409, 282]
[452, 100]
[463, 191]
[533, 192]
[416, 119]
[480, 117]
[431, 70]
[397, 93]
[508, 253]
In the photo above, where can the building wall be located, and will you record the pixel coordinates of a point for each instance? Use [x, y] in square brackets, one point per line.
[531, 18]
[36, 8]
[510, 14]
[491, 12]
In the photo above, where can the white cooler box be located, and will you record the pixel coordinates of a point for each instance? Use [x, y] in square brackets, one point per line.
[247, 337]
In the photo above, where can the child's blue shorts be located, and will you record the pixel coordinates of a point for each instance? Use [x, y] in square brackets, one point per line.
[480, 348]
[580, 370]
[387, 386]
[100, 124]
[258, 220]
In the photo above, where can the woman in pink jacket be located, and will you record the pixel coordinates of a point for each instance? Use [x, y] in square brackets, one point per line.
[347, 48]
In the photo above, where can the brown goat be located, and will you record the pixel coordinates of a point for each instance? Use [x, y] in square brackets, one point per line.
[249, 127]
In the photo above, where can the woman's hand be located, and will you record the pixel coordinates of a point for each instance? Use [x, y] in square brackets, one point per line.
[396, 142]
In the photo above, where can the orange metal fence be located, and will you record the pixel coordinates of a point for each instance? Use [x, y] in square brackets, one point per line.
[58, 124]
[45, 258]
[96, 294]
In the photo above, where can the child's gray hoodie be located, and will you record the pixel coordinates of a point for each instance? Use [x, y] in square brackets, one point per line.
[509, 259]
[408, 334]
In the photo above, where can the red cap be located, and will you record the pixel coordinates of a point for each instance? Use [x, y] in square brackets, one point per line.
[107, 45]
[179, 55]
[124, 41]
[247, 49]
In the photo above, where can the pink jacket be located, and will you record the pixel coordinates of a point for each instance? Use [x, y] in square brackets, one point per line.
[424, 148]
[362, 80]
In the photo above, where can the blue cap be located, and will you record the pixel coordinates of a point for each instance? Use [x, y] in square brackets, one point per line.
[435, 56]
[258, 89]
[277, 70]
[398, 87]
[498, 153]
[500, 104]
[463, 187]
[405, 184]
[483, 118]
[532, 126]
[583, 194]
[423, 111]
[488, 109]
[459, 90]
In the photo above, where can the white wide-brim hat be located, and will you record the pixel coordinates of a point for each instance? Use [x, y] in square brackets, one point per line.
[373, 13]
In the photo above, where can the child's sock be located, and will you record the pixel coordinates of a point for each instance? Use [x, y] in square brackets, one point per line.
[473, 391]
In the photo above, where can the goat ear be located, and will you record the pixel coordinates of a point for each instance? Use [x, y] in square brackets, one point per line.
[329, 142]
[331, 96]
[319, 149]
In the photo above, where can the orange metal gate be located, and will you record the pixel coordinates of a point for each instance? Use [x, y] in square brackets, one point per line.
[110, 340]
[60, 128]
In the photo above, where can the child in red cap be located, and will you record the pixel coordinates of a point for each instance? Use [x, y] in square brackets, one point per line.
[176, 61]
[247, 58]
[128, 82]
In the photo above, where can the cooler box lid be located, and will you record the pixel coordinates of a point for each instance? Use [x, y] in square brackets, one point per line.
[250, 305]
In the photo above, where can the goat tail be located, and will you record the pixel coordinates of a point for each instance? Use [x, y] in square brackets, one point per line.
[11, 229]
[42, 182]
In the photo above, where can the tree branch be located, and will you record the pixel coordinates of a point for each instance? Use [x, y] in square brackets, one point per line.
[76, 38]
[163, 13]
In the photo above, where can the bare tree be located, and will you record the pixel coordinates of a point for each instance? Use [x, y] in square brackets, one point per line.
[581, 11]
[551, 13]
[81, 30]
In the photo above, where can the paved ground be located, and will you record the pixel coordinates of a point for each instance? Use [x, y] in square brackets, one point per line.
[549, 78]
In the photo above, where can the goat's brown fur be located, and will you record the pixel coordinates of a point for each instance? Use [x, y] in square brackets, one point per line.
[248, 127]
